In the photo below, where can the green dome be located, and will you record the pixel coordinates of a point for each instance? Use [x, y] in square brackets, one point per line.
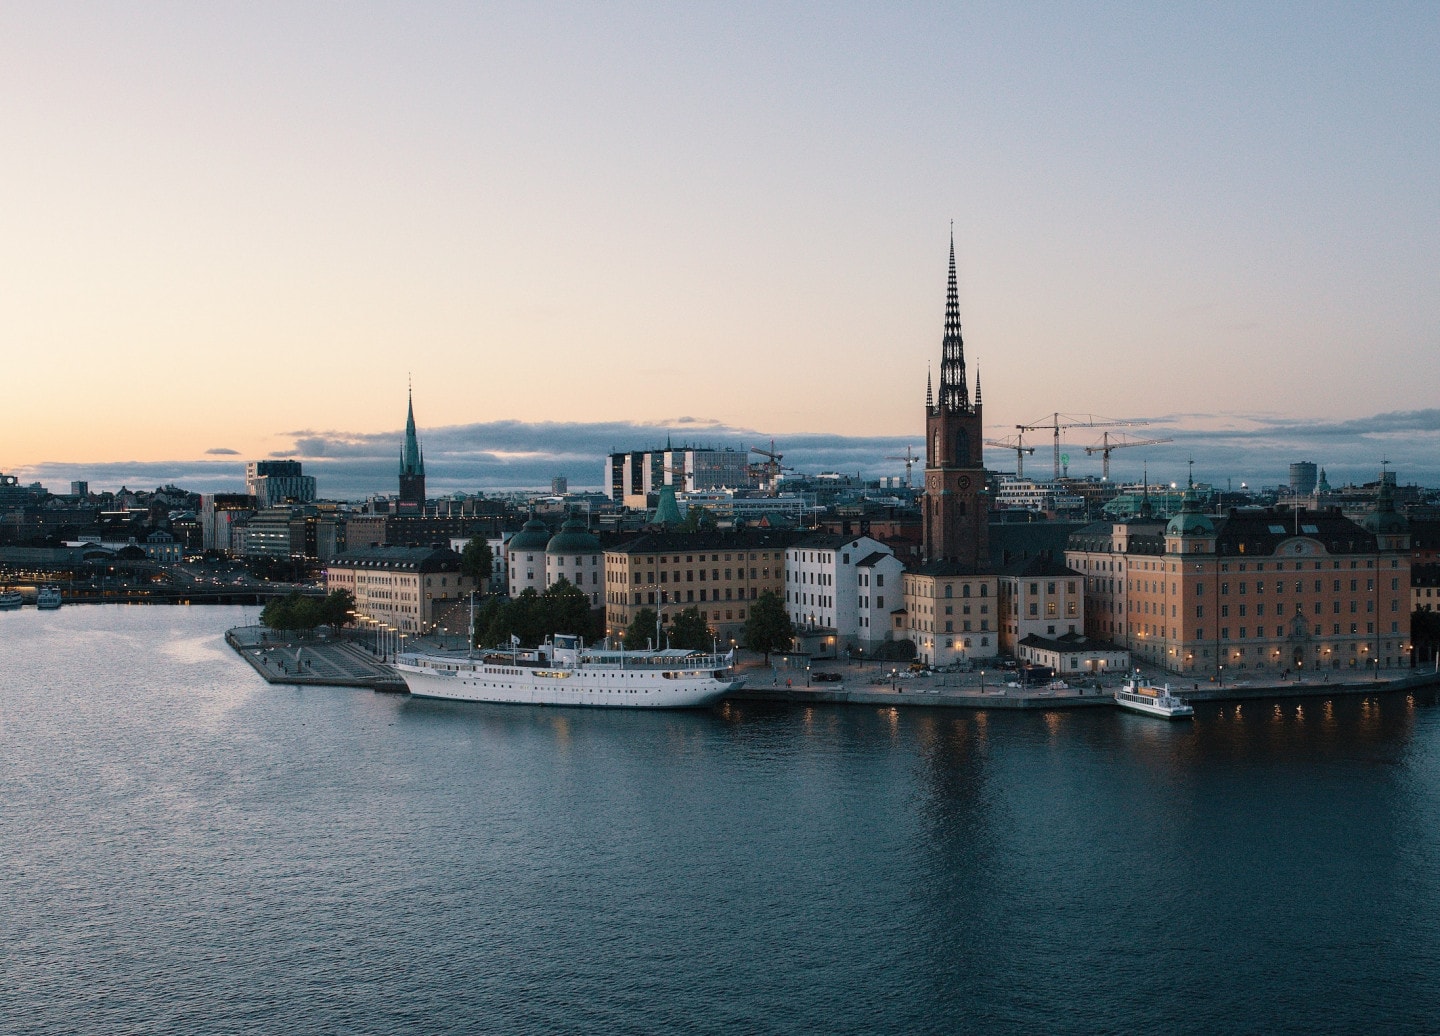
[1190, 522]
[573, 538]
[1384, 519]
[533, 535]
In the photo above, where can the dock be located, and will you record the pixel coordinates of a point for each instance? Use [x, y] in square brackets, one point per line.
[321, 660]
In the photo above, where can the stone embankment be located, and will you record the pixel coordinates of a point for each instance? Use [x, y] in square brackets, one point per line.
[321, 660]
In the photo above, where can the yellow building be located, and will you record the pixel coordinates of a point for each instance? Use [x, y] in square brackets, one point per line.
[718, 573]
[950, 614]
[401, 587]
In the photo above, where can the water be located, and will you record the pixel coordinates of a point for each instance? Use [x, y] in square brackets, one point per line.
[186, 849]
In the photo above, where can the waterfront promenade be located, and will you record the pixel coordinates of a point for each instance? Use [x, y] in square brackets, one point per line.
[322, 660]
[346, 662]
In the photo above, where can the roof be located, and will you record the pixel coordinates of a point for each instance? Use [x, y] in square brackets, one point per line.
[402, 559]
[947, 568]
[533, 535]
[871, 560]
[573, 538]
[1069, 643]
[707, 540]
[1038, 567]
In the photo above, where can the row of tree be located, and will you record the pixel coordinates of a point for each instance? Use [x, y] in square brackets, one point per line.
[295, 611]
[532, 617]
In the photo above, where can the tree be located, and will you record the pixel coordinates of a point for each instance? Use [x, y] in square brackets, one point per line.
[338, 609]
[768, 628]
[476, 560]
[568, 609]
[492, 624]
[294, 611]
[642, 629]
[688, 630]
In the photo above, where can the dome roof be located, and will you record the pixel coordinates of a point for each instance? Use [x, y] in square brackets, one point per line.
[1190, 522]
[573, 538]
[533, 535]
[1384, 519]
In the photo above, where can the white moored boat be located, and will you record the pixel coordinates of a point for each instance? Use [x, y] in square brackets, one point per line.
[10, 599]
[1142, 696]
[564, 672]
[48, 597]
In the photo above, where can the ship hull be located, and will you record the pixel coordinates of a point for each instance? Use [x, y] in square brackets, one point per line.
[609, 688]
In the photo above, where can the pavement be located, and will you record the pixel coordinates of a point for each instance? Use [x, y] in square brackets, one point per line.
[319, 659]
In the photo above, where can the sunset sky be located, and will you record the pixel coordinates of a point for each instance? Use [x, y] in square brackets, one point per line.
[240, 227]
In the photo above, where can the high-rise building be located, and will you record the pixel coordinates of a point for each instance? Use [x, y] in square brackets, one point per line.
[1302, 478]
[276, 482]
[412, 467]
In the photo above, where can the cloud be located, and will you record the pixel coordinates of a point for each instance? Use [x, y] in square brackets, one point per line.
[222, 451]
[499, 455]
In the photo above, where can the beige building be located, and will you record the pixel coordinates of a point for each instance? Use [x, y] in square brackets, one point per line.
[1277, 588]
[401, 587]
[718, 573]
[951, 614]
[1039, 597]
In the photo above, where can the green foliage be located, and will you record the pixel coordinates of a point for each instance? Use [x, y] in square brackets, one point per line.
[338, 609]
[768, 627]
[293, 612]
[688, 630]
[533, 617]
[697, 519]
[641, 630]
[476, 560]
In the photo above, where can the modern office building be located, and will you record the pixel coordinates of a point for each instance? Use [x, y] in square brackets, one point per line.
[276, 482]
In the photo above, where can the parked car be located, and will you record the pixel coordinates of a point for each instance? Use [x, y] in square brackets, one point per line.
[825, 677]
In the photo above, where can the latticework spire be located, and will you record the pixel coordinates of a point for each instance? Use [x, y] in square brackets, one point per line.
[954, 395]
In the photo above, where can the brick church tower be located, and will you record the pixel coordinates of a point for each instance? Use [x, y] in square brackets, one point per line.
[957, 500]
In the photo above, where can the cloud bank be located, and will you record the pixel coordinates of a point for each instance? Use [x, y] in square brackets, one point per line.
[499, 455]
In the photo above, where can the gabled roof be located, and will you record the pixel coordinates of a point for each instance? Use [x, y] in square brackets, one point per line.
[871, 560]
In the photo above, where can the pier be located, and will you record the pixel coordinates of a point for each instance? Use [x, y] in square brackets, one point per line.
[323, 660]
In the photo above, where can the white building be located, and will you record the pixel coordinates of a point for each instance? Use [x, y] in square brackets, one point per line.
[843, 587]
[574, 553]
[1024, 494]
[525, 558]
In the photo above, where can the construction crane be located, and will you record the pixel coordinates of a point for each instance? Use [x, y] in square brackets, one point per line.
[1016, 443]
[771, 466]
[1059, 421]
[909, 458]
[1106, 446]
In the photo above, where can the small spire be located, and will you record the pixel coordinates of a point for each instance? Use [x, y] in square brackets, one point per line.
[977, 384]
[929, 395]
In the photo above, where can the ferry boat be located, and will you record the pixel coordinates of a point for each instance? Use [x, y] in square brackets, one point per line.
[47, 597]
[1143, 696]
[10, 600]
[565, 672]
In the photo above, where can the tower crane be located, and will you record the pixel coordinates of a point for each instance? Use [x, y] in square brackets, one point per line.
[1059, 421]
[1106, 446]
[771, 465]
[1016, 443]
[909, 458]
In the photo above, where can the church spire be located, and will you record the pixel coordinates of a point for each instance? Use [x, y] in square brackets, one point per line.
[954, 394]
[412, 461]
[929, 395]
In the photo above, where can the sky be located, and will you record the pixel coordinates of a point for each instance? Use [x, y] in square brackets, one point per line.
[233, 232]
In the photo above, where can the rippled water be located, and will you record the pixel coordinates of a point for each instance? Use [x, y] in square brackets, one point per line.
[185, 849]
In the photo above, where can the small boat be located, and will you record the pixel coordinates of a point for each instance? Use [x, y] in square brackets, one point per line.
[48, 597]
[1143, 696]
[10, 599]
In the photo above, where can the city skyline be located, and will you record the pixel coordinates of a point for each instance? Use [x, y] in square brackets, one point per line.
[240, 222]
[510, 455]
